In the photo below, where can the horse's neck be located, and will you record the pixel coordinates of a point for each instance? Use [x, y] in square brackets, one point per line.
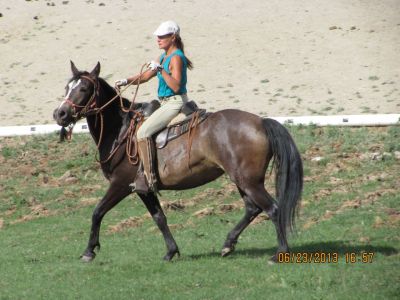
[106, 124]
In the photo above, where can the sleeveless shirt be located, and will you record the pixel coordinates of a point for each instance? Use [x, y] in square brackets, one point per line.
[163, 89]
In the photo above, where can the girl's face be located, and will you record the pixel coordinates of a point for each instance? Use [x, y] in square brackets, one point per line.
[165, 41]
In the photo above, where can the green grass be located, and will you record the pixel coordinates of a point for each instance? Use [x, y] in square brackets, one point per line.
[350, 205]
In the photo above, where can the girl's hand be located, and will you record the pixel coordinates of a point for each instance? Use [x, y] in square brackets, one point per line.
[155, 66]
[121, 82]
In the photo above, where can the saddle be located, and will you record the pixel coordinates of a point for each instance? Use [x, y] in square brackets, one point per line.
[189, 117]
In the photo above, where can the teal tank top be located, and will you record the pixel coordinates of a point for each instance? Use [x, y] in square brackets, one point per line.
[163, 89]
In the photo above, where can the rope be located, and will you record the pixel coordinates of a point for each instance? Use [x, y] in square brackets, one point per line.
[133, 158]
[193, 123]
[96, 110]
[132, 144]
[119, 93]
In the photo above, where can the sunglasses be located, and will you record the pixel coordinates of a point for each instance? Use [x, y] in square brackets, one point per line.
[162, 37]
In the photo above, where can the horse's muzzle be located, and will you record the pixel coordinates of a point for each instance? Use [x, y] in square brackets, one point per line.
[63, 116]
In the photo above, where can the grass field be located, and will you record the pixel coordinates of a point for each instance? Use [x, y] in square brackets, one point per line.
[350, 208]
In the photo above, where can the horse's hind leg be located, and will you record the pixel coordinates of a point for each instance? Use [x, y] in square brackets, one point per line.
[265, 201]
[112, 197]
[252, 211]
[154, 208]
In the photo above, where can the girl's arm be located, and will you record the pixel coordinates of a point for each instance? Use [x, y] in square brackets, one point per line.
[146, 76]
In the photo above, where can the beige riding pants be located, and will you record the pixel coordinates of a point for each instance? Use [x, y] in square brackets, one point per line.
[161, 117]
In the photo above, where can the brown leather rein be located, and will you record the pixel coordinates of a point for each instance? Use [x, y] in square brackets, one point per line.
[131, 145]
[91, 109]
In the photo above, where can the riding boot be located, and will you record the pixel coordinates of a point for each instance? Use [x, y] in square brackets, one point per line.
[140, 184]
[147, 156]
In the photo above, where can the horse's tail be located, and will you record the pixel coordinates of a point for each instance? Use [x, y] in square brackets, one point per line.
[289, 173]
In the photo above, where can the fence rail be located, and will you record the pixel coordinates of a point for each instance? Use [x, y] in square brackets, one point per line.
[340, 120]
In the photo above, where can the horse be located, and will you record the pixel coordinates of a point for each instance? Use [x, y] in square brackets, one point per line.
[230, 141]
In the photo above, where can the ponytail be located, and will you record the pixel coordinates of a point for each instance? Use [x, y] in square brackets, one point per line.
[180, 46]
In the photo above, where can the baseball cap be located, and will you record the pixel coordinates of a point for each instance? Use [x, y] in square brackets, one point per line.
[167, 27]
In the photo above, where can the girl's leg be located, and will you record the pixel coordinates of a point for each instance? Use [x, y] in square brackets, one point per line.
[160, 118]
[157, 121]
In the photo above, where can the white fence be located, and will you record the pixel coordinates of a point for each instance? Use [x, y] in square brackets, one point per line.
[343, 120]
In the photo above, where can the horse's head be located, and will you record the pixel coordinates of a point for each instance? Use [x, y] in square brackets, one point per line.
[80, 96]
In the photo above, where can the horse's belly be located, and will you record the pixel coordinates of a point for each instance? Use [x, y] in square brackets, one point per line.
[178, 175]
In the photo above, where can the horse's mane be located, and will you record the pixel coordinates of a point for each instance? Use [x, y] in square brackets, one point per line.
[108, 88]
[111, 91]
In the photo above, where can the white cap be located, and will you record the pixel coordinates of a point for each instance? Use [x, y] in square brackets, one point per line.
[167, 27]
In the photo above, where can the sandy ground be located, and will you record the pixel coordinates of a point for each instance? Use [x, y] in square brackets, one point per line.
[273, 58]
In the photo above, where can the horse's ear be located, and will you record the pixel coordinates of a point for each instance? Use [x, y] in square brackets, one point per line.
[74, 70]
[96, 71]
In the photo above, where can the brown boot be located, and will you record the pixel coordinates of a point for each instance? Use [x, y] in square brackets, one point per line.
[147, 156]
[140, 184]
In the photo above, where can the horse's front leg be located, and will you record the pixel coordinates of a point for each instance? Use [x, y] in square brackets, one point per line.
[154, 208]
[113, 196]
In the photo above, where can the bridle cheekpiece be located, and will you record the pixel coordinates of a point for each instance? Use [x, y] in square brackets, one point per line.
[81, 111]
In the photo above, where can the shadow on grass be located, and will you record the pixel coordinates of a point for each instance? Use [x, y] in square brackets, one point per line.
[340, 247]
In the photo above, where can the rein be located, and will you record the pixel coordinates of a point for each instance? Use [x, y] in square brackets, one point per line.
[91, 109]
[192, 129]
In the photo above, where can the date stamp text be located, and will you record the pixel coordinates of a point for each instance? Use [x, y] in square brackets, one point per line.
[325, 257]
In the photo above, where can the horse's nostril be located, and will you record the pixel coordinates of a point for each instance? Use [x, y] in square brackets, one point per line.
[62, 114]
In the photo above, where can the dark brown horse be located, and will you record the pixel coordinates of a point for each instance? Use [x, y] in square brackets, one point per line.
[230, 141]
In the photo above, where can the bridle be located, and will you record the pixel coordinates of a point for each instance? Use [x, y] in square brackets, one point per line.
[90, 107]
[82, 111]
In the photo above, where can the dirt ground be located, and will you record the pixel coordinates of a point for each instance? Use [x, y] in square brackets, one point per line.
[272, 58]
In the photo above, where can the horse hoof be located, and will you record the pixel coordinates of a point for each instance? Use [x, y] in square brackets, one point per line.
[226, 251]
[170, 256]
[87, 258]
[273, 260]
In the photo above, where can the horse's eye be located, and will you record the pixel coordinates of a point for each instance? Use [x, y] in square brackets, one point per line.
[83, 89]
